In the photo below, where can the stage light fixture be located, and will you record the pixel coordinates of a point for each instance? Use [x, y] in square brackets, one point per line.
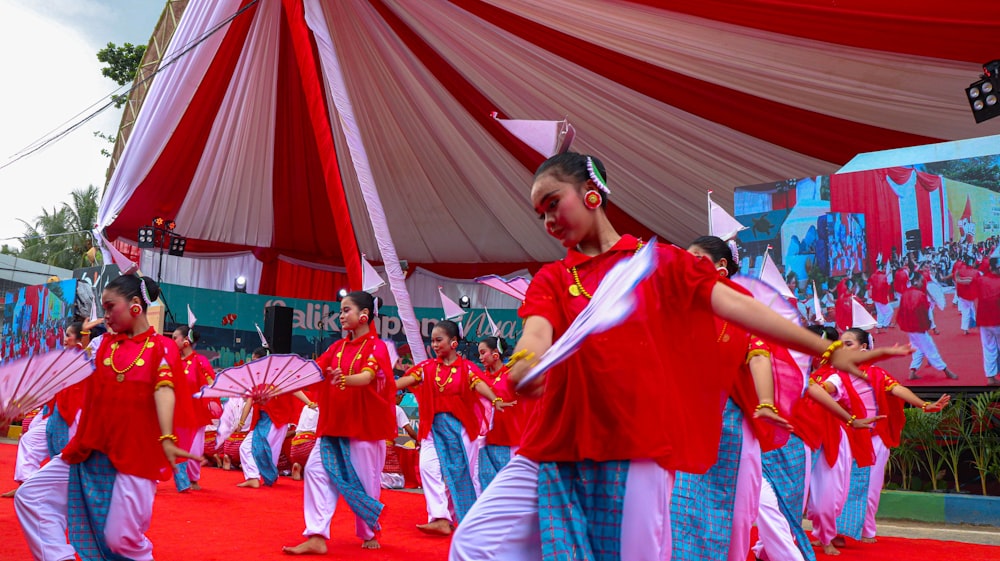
[341, 294]
[465, 302]
[146, 237]
[982, 94]
[240, 285]
[177, 245]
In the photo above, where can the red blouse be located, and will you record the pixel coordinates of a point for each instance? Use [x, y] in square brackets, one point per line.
[199, 372]
[913, 308]
[652, 387]
[363, 412]
[119, 409]
[448, 388]
[508, 424]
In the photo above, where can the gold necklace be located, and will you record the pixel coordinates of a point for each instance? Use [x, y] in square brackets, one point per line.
[499, 375]
[350, 367]
[437, 376]
[137, 361]
[577, 289]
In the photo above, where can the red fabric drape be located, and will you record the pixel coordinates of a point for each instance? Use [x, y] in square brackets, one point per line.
[821, 136]
[868, 192]
[296, 281]
[297, 42]
[932, 29]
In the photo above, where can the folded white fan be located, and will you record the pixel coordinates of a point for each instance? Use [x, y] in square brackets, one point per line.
[613, 301]
[264, 378]
[28, 382]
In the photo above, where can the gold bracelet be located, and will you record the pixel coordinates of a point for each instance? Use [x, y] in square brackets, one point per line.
[496, 400]
[925, 406]
[520, 355]
[827, 355]
[168, 437]
[84, 333]
[770, 406]
[850, 424]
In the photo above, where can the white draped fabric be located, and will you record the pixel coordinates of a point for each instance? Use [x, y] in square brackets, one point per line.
[212, 271]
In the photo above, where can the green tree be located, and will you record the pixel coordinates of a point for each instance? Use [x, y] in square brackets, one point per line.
[61, 237]
[121, 65]
[982, 171]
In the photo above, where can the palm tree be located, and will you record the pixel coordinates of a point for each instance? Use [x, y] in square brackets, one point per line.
[81, 216]
[62, 237]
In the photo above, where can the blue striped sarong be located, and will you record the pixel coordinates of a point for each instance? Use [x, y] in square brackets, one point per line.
[701, 508]
[851, 521]
[336, 454]
[56, 433]
[492, 459]
[448, 444]
[90, 486]
[580, 507]
[261, 450]
[784, 469]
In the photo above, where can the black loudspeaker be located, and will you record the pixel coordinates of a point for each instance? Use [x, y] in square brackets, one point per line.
[278, 328]
[913, 240]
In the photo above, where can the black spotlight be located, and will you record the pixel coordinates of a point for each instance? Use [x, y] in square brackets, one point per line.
[240, 284]
[146, 237]
[983, 93]
[177, 245]
[464, 302]
[341, 294]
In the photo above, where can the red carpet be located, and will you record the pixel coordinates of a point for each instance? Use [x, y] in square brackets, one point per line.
[224, 523]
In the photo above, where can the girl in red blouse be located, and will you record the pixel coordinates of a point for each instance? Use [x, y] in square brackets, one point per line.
[356, 415]
[451, 418]
[504, 435]
[594, 472]
[106, 476]
[199, 372]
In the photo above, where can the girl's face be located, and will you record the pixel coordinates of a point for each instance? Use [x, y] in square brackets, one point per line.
[488, 356]
[180, 339]
[560, 206]
[350, 314]
[71, 339]
[442, 343]
[698, 251]
[117, 311]
[851, 341]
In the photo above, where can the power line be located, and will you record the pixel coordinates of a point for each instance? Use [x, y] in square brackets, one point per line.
[56, 134]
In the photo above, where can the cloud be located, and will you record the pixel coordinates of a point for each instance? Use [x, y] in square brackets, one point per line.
[51, 73]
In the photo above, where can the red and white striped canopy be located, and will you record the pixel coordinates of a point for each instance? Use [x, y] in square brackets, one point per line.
[244, 143]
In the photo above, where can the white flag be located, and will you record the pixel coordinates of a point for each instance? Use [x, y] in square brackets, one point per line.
[721, 223]
[370, 279]
[770, 274]
[191, 319]
[860, 316]
[451, 309]
[494, 330]
[816, 306]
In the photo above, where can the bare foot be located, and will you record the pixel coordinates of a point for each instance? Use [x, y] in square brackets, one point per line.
[195, 486]
[314, 545]
[9, 494]
[296, 472]
[913, 374]
[371, 544]
[829, 549]
[838, 541]
[950, 374]
[994, 381]
[438, 527]
[868, 540]
[227, 462]
[251, 483]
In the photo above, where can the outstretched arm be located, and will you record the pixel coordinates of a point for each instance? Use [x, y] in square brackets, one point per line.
[904, 393]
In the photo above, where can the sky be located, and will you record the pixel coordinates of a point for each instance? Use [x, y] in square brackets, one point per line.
[50, 74]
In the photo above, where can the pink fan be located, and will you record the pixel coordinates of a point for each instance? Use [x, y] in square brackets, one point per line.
[516, 287]
[29, 382]
[264, 378]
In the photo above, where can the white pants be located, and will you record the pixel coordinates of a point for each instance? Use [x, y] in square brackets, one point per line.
[41, 505]
[875, 485]
[989, 336]
[968, 310]
[746, 504]
[275, 438]
[197, 447]
[436, 494]
[32, 449]
[828, 489]
[775, 535]
[883, 314]
[320, 501]
[503, 524]
[925, 348]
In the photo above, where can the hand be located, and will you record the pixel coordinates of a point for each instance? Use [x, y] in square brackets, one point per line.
[335, 374]
[938, 405]
[312, 405]
[765, 414]
[848, 360]
[172, 452]
[533, 389]
[501, 405]
[866, 423]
